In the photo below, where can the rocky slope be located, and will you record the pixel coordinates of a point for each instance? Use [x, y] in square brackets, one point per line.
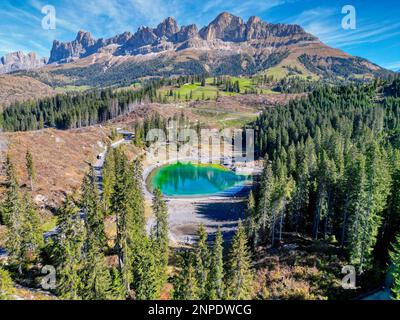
[20, 61]
[21, 88]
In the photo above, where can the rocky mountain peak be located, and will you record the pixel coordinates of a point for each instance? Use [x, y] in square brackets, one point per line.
[144, 36]
[16, 61]
[253, 20]
[167, 28]
[186, 33]
[85, 38]
[226, 27]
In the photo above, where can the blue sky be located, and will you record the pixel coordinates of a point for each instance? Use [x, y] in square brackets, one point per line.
[376, 37]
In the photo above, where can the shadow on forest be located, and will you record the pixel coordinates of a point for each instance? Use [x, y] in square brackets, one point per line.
[225, 215]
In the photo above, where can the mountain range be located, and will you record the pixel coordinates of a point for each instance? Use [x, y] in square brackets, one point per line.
[228, 45]
[20, 61]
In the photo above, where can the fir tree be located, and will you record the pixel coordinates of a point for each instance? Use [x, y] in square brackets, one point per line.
[117, 290]
[202, 261]
[185, 283]
[32, 233]
[108, 174]
[12, 202]
[239, 275]
[147, 285]
[69, 251]
[96, 278]
[395, 268]
[6, 285]
[264, 215]
[90, 205]
[30, 169]
[215, 283]
[128, 206]
[161, 235]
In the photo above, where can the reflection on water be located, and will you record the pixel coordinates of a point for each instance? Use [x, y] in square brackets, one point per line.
[188, 179]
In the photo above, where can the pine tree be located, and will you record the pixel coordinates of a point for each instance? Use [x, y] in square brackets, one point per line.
[372, 187]
[108, 174]
[90, 205]
[6, 285]
[96, 278]
[13, 216]
[281, 196]
[161, 236]
[395, 268]
[378, 183]
[120, 208]
[117, 290]
[326, 178]
[128, 205]
[69, 250]
[239, 276]
[301, 198]
[215, 289]
[265, 202]
[202, 261]
[185, 283]
[12, 201]
[391, 223]
[32, 233]
[30, 169]
[355, 208]
[251, 219]
[147, 285]
[25, 237]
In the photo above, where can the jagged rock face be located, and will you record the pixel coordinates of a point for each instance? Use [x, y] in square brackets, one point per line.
[84, 44]
[143, 37]
[85, 39]
[167, 28]
[186, 33]
[225, 29]
[20, 61]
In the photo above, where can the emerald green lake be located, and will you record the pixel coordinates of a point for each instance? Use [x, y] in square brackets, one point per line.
[186, 179]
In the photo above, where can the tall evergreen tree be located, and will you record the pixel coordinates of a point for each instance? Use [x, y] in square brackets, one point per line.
[30, 167]
[69, 251]
[95, 276]
[395, 268]
[96, 279]
[108, 174]
[215, 289]
[372, 189]
[128, 205]
[147, 285]
[117, 290]
[121, 209]
[91, 207]
[265, 203]
[6, 285]
[12, 202]
[185, 283]
[32, 233]
[239, 276]
[202, 261]
[161, 236]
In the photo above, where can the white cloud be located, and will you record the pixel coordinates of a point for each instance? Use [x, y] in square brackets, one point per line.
[394, 65]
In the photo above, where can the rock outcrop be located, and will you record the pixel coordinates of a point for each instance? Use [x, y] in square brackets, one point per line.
[17, 61]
